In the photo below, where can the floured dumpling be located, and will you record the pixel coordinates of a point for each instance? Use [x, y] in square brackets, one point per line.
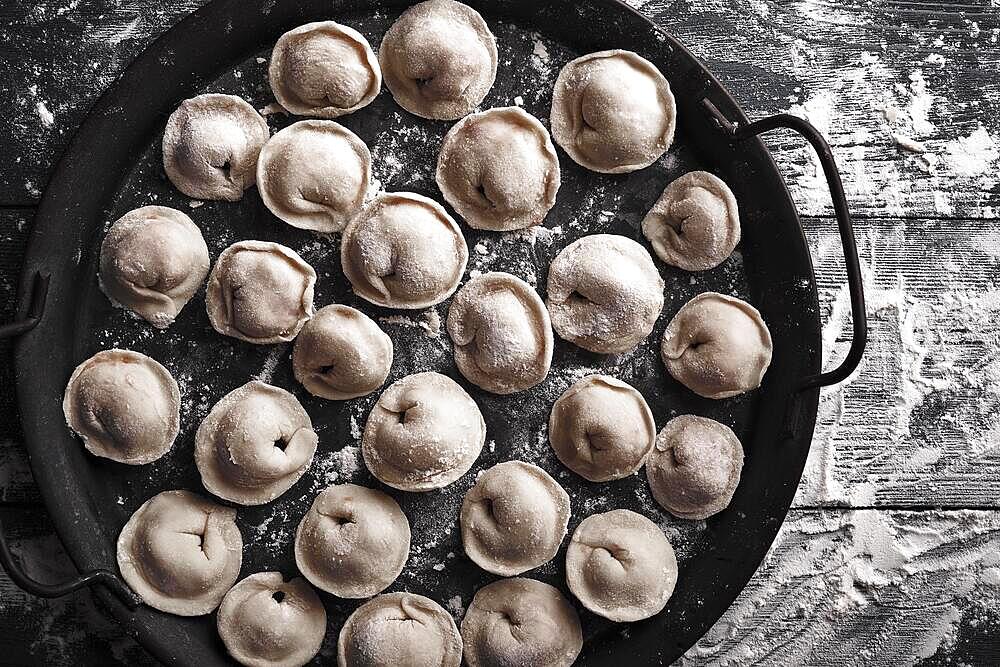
[501, 332]
[521, 622]
[403, 251]
[499, 169]
[314, 175]
[153, 260]
[514, 518]
[265, 621]
[124, 405]
[210, 146]
[397, 629]
[695, 467]
[181, 553]
[353, 541]
[601, 428]
[260, 292]
[695, 224]
[323, 69]
[439, 59]
[717, 346]
[621, 566]
[604, 293]
[254, 444]
[424, 432]
[341, 353]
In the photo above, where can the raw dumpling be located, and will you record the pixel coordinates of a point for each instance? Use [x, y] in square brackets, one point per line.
[613, 112]
[314, 175]
[695, 467]
[403, 251]
[399, 629]
[341, 353]
[621, 566]
[153, 260]
[499, 169]
[265, 621]
[124, 405]
[695, 224]
[601, 428]
[604, 293]
[501, 332]
[424, 432]
[254, 444]
[210, 146]
[260, 292]
[514, 518]
[353, 541]
[323, 69]
[717, 346]
[439, 59]
[181, 553]
[521, 622]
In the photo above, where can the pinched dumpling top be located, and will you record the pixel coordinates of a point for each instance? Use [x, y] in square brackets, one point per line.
[324, 69]
[717, 346]
[210, 146]
[499, 169]
[399, 629]
[604, 293]
[124, 405]
[439, 59]
[613, 112]
[265, 621]
[695, 224]
[314, 175]
[424, 432]
[181, 553]
[260, 292]
[501, 332]
[153, 260]
[403, 251]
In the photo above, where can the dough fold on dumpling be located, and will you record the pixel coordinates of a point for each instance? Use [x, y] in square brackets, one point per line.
[210, 146]
[181, 553]
[124, 405]
[717, 346]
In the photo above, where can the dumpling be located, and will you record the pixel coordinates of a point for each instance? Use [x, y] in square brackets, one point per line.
[181, 553]
[314, 175]
[353, 541]
[620, 566]
[601, 428]
[717, 346]
[695, 224]
[514, 518]
[324, 69]
[439, 59]
[403, 251]
[695, 467]
[341, 353]
[613, 112]
[501, 332]
[260, 292]
[124, 405]
[254, 444]
[153, 260]
[424, 432]
[499, 169]
[399, 629]
[210, 146]
[604, 293]
[521, 622]
[265, 621]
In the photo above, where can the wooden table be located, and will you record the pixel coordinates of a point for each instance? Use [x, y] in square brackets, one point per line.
[891, 554]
